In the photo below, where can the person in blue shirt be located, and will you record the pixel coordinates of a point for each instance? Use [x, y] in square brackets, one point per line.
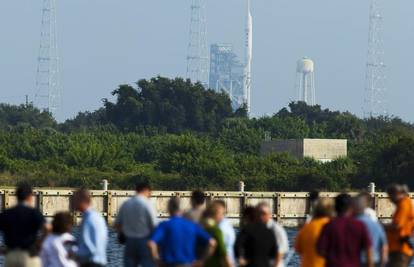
[375, 231]
[177, 239]
[93, 233]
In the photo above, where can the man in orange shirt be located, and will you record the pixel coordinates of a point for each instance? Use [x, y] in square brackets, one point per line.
[400, 230]
[308, 236]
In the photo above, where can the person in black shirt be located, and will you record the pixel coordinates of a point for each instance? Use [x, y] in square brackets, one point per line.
[256, 245]
[21, 226]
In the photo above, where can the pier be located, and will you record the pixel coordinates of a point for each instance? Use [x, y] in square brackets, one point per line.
[289, 208]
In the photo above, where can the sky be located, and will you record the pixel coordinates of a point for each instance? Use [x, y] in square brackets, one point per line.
[105, 43]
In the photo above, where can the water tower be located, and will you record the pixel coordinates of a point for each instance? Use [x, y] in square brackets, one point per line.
[305, 81]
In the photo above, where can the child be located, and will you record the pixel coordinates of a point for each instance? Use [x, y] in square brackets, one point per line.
[59, 245]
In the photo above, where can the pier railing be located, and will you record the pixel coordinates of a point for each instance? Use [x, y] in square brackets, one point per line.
[289, 208]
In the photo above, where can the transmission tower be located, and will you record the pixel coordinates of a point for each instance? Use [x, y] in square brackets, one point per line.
[197, 57]
[47, 94]
[375, 87]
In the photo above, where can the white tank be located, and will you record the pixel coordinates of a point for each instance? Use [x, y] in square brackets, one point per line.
[305, 65]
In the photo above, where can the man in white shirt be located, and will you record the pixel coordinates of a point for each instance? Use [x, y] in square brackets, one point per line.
[278, 231]
[136, 220]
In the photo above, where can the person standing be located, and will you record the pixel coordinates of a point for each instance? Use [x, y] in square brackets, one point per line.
[174, 241]
[375, 231]
[278, 231]
[212, 216]
[401, 228]
[93, 232]
[344, 239]
[198, 200]
[136, 220]
[229, 234]
[366, 200]
[308, 236]
[255, 245]
[58, 246]
[21, 226]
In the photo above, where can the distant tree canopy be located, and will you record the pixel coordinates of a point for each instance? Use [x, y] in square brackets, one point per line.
[174, 105]
[24, 115]
[180, 136]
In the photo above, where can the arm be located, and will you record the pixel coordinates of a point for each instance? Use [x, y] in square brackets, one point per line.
[282, 242]
[384, 255]
[211, 246]
[153, 247]
[118, 221]
[87, 246]
[298, 242]
[152, 216]
[274, 252]
[323, 242]
[370, 258]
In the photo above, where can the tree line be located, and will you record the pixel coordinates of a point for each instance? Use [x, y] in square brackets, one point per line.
[179, 136]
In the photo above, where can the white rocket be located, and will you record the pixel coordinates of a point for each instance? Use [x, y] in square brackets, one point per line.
[249, 52]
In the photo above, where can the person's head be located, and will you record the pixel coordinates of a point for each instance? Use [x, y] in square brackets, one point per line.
[323, 208]
[396, 192]
[174, 206]
[81, 200]
[265, 212]
[215, 211]
[62, 223]
[250, 215]
[313, 196]
[365, 198]
[24, 193]
[359, 205]
[343, 205]
[197, 198]
[143, 188]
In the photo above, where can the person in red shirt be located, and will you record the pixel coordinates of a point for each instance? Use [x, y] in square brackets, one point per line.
[344, 239]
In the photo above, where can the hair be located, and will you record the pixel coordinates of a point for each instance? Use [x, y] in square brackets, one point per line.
[62, 223]
[323, 208]
[393, 189]
[142, 186]
[197, 197]
[313, 195]
[82, 195]
[173, 205]
[220, 202]
[212, 210]
[23, 191]
[250, 215]
[343, 202]
[365, 195]
[262, 206]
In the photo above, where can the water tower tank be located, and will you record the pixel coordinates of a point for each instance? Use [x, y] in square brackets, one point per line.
[305, 65]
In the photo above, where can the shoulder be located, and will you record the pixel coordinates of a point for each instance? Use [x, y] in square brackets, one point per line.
[279, 228]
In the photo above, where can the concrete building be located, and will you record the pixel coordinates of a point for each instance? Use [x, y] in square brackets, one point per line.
[227, 73]
[324, 150]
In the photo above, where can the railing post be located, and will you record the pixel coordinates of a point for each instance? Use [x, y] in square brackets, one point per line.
[6, 199]
[108, 201]
[40, 201]
[243, 200]
[278, 206]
